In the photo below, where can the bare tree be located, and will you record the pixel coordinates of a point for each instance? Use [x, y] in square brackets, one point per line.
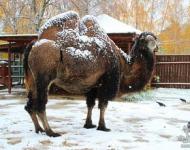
[88, 7]
[12, 11]
[38, 9]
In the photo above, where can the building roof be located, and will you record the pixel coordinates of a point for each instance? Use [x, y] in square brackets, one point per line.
[16, 42]
[18, 37]
[112, 25]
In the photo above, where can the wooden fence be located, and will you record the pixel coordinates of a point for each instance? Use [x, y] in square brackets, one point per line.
[172, 71]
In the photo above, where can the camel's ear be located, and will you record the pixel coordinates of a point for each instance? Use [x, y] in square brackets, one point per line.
[141, 37]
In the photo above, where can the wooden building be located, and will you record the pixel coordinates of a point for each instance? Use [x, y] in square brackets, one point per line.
[11, 65]
[122, 34]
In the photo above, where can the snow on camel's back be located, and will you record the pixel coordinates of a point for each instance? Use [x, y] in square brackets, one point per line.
[78, 56]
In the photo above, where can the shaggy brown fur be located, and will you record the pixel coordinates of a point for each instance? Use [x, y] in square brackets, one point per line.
[139, 71]
[92, 66]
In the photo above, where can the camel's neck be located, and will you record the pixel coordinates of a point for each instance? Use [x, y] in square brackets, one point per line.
[137, 74]
[147, 57]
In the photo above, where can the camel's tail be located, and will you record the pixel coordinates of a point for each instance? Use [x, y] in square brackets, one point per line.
[26, 54]
[27, 72]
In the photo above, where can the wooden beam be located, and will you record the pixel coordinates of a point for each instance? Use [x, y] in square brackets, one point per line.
[9, 69]
[162, 83]
[173, 62]
[18, 37]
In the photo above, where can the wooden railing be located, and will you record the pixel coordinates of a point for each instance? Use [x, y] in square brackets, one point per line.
[172, 71]
[5, 78]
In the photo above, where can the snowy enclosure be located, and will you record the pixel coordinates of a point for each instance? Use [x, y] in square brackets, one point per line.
[136, 122]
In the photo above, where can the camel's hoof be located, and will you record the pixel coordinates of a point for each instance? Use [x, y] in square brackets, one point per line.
[103, 129]
[89, 126]
[52, 134]
[39, 130]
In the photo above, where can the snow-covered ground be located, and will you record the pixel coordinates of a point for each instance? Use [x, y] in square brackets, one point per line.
[138, 123]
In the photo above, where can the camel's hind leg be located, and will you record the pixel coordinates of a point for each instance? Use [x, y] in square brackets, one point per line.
[30, 109]
[48, 130]
[90, 101]
[42, 97]
[30, 106]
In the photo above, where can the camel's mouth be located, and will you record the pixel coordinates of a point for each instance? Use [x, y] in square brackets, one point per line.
[152, 45]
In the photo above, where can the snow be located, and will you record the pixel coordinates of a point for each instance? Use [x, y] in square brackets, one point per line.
[67, 37]
[81, 54]
[137, 124]
[112, 25]
[80, 41]
[89, 26]
[3, 62]
[59, 20]
[79, 46]
[127, 57]
[41, 42]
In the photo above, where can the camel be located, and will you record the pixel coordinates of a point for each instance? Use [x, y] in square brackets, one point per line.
[83, 61]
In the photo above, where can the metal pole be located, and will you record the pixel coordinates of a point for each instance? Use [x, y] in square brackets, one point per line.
[9, 69]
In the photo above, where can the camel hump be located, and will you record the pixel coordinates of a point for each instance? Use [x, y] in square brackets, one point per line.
[67, 20]
[43, 42]
[89, 26]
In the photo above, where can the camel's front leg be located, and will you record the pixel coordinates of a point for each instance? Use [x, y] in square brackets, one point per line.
[88, 123]
[90, 101]
[102, 106]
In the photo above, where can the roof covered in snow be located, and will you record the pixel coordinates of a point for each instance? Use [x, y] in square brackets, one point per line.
[112, 25]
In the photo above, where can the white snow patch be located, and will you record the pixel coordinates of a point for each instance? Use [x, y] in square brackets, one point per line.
[41, 42]
[135, 125]
[88, 40]
[100, 42]
[112, 25]
[85, 39]
[81, 54]
[67, 38]
[3, 62]
[127, 57]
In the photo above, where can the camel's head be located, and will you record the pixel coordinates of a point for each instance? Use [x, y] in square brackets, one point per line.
[146, 41]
